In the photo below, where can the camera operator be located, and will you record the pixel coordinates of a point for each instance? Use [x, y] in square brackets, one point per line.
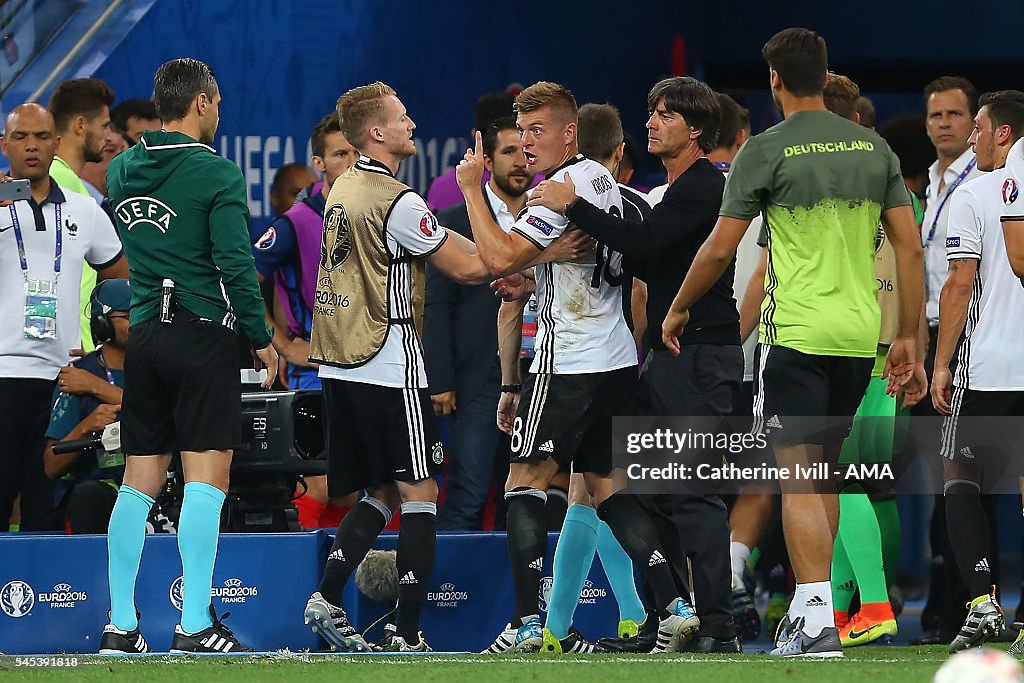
[87, 399]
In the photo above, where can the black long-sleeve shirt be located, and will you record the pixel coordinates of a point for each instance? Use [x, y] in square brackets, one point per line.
[661, 249]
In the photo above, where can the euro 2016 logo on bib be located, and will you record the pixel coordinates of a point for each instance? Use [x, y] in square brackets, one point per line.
[1010, 191]
[428, 224]
[337, 239]
[17, 598]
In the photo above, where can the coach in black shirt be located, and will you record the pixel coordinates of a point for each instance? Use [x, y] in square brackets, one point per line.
[682, 129]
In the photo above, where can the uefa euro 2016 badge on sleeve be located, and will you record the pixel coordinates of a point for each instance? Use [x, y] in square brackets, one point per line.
[41, 309]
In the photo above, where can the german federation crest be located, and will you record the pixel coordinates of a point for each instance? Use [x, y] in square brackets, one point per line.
[337, 238]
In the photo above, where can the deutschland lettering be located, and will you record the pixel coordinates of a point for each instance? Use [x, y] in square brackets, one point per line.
[830, 147]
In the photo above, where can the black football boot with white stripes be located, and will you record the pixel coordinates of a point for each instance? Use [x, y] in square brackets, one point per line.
[118, 642]
[217, 639]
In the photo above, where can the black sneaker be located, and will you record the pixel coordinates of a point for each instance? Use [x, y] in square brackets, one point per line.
[644, 641]
[215, 639]
[118, 642]
[711, 645]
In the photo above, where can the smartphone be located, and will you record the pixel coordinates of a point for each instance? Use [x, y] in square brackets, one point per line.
[15, 190]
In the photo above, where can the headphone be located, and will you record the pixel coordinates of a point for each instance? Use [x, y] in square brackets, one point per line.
[99, 321]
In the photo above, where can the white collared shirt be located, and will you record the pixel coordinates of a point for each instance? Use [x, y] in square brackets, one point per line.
[504, 217]
[87, 235]
[935, 264]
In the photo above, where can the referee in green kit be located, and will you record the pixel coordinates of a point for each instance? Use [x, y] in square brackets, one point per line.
[181, 212]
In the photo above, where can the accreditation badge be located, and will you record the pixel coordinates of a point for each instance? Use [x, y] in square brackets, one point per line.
[41, 309]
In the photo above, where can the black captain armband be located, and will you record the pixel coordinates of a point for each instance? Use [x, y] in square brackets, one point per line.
[511, 388]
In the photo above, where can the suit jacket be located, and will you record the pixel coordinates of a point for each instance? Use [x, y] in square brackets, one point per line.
[460, 336]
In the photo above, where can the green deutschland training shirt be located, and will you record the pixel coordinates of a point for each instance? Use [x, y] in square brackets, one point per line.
[821, 182]
[181, 212]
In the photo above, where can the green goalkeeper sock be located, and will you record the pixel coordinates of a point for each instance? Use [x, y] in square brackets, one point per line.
[888, 516]
[844, 585]
[860, 536]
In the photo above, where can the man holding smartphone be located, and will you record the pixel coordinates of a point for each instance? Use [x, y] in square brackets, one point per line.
[45, 237]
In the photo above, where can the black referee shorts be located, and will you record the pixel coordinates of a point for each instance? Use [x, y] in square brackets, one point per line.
[182, 391]
[378, 435]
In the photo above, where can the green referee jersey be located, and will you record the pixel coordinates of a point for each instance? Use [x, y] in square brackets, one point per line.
[182, 214]
[821, 182]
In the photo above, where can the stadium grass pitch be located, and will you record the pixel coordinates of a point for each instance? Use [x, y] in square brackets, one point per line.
[874, 664]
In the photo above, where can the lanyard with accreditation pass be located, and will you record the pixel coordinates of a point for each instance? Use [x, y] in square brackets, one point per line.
[949, 191]
[40, 295]
[106, 369]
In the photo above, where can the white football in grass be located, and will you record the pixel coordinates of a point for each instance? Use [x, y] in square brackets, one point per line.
[982, 665]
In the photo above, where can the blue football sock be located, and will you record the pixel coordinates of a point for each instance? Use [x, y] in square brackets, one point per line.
[198, 531]
[619, 570]
[574, 554]
[126, 535]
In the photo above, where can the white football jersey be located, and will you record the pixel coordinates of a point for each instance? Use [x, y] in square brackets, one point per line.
[990, 356]
[1010, 191]
[580, 327]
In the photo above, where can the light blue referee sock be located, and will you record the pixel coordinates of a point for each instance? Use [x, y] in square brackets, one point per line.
[574, 554]
[619, 570]
[198, 531]
[126, 535]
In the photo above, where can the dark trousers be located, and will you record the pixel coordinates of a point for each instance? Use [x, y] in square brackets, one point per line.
[24, 415]
[89, 507]
[702, 381]
[479, 453]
